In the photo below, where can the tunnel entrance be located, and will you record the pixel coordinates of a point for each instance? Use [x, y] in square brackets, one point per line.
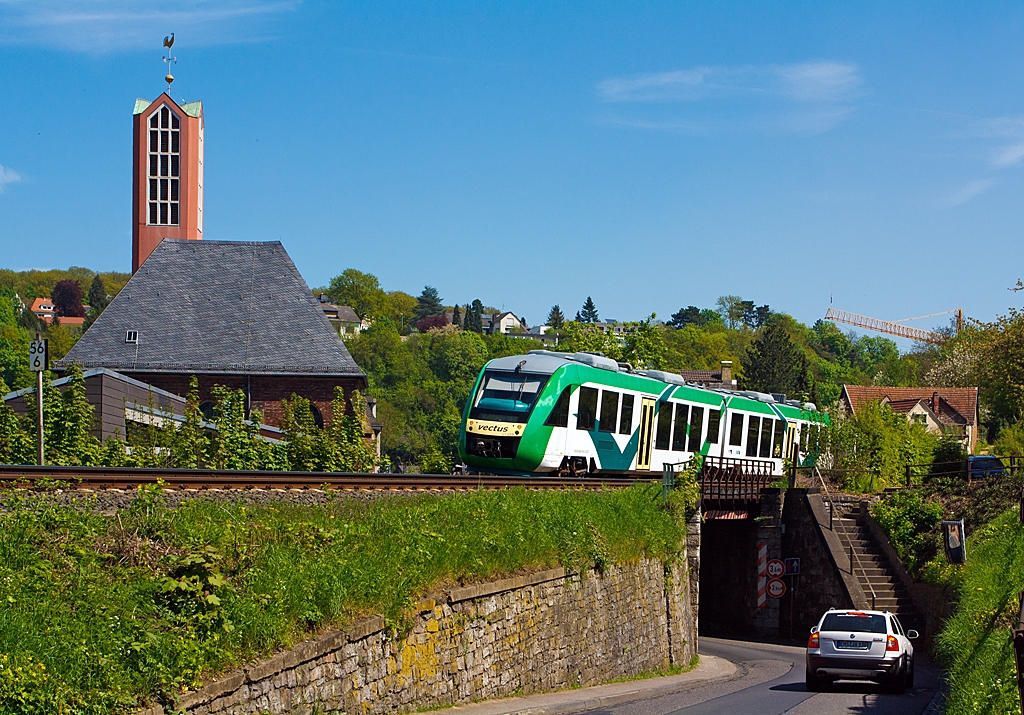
[728, 577]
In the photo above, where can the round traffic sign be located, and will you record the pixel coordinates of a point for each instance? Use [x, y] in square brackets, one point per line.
[776, 588]
[776, 568]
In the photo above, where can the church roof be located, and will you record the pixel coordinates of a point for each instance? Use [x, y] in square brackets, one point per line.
[215, 307]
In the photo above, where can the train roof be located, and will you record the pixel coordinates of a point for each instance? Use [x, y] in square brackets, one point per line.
[545, 362]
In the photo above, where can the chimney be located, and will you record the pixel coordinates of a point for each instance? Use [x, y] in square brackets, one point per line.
[935, 403]
[727, 373]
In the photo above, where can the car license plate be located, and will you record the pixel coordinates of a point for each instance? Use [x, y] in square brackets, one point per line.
[853, 645]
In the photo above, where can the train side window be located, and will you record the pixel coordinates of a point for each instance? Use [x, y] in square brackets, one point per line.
[696, 429]
[679, 432]
[664, 425]
[609, 410]
[714, 417]
[736, 430]
[559, 416]
[780, 433]
[766, 437]
[626, 418]
[586, 416]
[753, 427]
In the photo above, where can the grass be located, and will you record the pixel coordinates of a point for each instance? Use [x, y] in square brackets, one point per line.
[100, 613]
[976, 643]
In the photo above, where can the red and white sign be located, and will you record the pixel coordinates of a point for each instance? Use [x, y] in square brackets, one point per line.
[762, 575]
[776, 568]
[776, 588]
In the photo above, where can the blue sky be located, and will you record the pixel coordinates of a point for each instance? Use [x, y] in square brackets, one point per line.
[652, 155]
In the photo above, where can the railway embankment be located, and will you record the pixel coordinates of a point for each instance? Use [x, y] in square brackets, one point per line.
[364, 601]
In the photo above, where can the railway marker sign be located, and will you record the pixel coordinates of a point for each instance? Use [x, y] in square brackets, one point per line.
[793, 566]
[776, 568]
[37, 355]
[776, 588]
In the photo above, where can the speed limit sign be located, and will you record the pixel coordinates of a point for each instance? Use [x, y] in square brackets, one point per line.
[38, 354]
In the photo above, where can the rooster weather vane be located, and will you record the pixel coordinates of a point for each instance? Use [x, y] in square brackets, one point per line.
[168, 43]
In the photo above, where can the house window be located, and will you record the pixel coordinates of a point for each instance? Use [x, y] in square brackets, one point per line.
[131, 336]
[164, 168]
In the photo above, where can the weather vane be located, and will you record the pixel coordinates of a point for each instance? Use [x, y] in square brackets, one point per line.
[169, 43]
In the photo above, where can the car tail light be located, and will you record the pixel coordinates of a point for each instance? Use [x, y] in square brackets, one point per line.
[812, 642]
[891, 643]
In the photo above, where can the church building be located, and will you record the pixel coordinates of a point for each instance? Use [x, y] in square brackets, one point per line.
[231, 313]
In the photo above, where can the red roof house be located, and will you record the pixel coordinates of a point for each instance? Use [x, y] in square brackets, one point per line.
[948, 410]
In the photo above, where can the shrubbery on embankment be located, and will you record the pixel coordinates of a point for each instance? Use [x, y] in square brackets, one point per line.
[100, 612]
[976, 643]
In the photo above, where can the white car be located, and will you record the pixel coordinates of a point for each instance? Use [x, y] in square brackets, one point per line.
[860, 645]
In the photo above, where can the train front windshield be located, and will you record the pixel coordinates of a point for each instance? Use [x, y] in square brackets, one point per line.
[507, 396]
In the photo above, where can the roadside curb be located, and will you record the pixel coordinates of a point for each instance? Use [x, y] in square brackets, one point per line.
[564, 702]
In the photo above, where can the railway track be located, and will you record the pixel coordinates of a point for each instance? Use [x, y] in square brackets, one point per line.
[200, 479]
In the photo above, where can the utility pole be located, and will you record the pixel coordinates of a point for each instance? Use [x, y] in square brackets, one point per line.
[38, 361]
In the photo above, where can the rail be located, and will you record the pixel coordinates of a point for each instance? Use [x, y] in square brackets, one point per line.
[828, 495]
[1012, 466]
[728, 479]
[130, 477]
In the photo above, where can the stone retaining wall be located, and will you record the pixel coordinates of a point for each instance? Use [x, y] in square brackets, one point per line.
[529, 634]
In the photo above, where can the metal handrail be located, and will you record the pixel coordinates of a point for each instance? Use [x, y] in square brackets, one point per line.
[831, 501]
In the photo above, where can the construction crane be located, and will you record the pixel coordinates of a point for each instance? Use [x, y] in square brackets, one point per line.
[894, 327]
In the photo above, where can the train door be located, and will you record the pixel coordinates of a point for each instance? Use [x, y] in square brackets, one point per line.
[790, 439]
[643, 449]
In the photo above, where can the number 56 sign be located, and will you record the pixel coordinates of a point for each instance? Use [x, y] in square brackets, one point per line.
[37, 356]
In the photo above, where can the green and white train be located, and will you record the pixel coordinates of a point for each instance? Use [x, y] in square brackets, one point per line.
[547, 413]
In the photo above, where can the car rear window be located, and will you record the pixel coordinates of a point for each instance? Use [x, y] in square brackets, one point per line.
[854, 622]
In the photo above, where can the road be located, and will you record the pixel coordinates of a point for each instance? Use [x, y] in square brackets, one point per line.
[770, 681]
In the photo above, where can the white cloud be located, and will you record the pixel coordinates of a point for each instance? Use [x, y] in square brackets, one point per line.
[8, 176]
[804, 97]
[969, 191]
[808, 82]
[112, 25]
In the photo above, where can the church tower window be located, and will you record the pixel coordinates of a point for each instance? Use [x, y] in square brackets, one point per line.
[164, 167]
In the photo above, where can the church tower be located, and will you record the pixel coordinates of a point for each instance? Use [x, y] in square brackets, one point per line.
[167, 171]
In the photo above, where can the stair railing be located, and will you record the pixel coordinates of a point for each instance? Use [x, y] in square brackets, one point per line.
[831, 501]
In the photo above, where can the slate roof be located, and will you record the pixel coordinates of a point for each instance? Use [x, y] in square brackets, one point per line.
[216, 307]
[957, 405]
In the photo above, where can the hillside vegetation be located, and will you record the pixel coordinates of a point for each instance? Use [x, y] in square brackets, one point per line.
[976, 643]
[102, 612]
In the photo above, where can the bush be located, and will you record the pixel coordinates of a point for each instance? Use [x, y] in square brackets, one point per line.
[910, 523]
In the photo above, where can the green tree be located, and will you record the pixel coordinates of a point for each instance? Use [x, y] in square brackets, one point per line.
[402, 310]
[474, 317]
[644, 344]
[586, 337]
[190, 443]
[730, 307]
[555, 318]
[428, 303]
[773, 362]
[690, 315]
[361, 291]
[456, 317]
[588, 313]
[97, 301]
